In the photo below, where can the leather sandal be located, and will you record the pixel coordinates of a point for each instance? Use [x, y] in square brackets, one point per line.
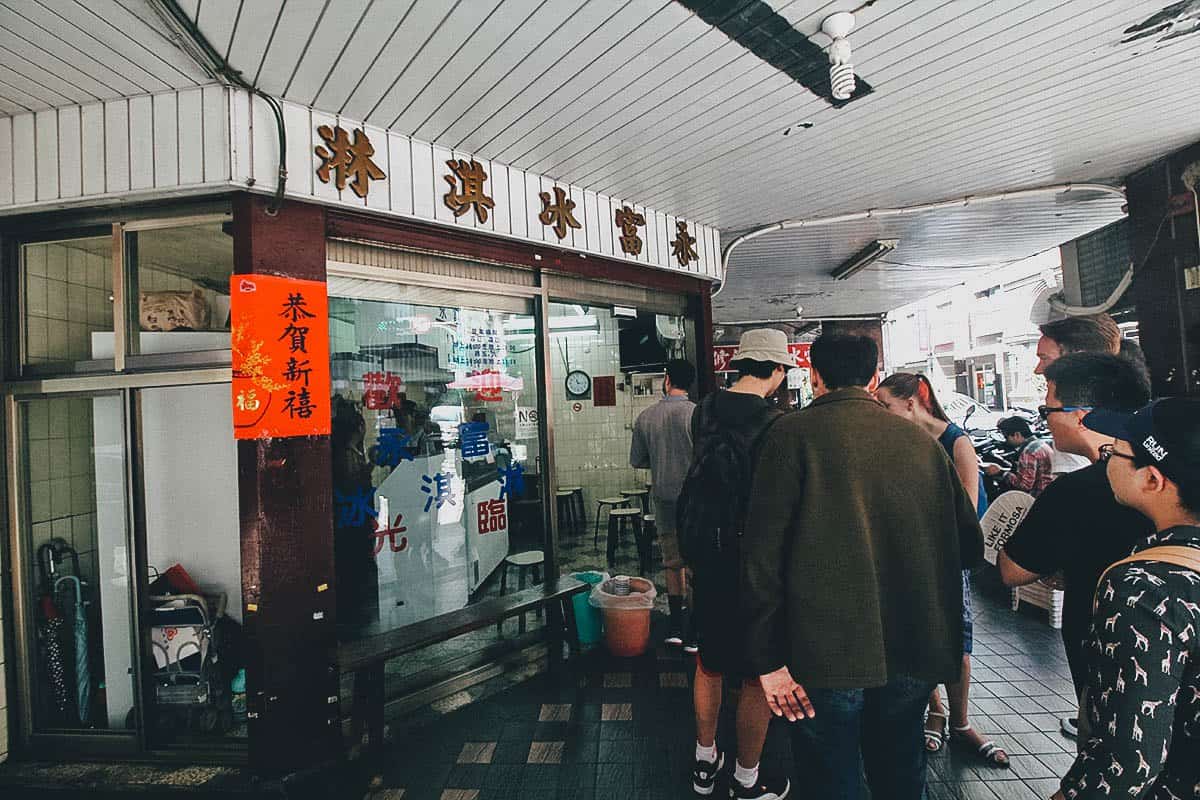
[934, 739]
[989, 751]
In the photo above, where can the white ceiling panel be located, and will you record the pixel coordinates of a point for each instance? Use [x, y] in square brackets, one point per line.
[936, 249]
[642, 99]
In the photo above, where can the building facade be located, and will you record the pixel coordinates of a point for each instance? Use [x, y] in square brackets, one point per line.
[265, 421]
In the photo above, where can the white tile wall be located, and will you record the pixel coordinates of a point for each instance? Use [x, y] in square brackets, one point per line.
[591, 446]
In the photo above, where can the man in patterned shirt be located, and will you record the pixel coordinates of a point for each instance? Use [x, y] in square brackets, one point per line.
[1034, 469]
[1143, 691]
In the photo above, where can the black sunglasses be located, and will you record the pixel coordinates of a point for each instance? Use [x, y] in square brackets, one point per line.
[1045, 411]
[1107, 451]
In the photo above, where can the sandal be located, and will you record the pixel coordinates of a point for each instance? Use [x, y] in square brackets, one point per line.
[989, 751]
[934, 739]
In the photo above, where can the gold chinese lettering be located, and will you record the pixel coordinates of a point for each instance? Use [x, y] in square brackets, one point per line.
[350, 161]
[472, 176]
[682, 248]
[558, 213]
[629, 221]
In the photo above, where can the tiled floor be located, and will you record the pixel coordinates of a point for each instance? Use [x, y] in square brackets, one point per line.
[616, 728]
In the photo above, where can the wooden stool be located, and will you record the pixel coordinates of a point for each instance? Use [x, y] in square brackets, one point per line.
[579, 512]
[641, 495]
[567, 519]
[612, 503]
[616, 526]
[530, 559]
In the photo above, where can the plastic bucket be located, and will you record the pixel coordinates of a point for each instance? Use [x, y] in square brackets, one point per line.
[589, 623]
[626, 616]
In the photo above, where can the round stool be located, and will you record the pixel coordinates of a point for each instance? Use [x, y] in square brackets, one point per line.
[617, 518]
[580, 513]
[641, 495]
[566, 510]
[528, 560]
[612, 503]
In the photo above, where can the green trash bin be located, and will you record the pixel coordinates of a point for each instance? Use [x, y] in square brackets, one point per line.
[589, 621]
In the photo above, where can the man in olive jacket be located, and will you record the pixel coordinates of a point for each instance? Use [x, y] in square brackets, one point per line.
[857, 533]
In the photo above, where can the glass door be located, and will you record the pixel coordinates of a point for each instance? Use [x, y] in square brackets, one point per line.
[74, 542]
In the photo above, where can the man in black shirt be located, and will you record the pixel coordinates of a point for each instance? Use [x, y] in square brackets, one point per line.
[1077, 527]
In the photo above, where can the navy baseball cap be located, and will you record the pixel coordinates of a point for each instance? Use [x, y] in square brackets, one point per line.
[1166, 434]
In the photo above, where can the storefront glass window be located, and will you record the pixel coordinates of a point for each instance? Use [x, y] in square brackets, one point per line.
[74, 465]
[606, 370]
[181, 278]
[435, 457]
[193, 550]
[67, 288]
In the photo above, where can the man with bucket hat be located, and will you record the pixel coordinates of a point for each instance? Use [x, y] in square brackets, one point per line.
[1140, 714]
[727, 428]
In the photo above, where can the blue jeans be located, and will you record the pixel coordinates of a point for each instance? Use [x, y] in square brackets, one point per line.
[879, 729]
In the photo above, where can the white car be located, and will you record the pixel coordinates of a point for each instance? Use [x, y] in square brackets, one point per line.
[969, 414]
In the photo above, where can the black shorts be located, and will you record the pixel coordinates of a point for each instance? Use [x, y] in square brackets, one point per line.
[716, 617]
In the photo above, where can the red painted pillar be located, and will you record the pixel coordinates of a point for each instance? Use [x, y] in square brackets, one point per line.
[285, 496]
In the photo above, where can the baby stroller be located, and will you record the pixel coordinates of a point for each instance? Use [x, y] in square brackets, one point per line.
[188, 690]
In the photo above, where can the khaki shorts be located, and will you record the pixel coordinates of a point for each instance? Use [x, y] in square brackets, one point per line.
[668, 537]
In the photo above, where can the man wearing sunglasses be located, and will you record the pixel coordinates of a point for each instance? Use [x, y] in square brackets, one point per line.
[1143, 690]
[1077, 527]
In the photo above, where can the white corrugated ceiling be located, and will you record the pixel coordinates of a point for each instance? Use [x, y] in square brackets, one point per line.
[642, 99]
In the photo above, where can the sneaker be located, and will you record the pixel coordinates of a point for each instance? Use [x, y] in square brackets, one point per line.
[765, 789]
[691, 647]
[1070, 726]
[674, 639]
[704, 775]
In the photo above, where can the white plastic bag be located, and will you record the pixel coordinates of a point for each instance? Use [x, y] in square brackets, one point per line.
[641, 595]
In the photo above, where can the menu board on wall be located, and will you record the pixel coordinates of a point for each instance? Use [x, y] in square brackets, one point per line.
[604, 391]
[280, 343]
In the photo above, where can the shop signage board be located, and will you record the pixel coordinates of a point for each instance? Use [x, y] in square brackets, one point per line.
[723, 355]
[280, 344]
[527, 423]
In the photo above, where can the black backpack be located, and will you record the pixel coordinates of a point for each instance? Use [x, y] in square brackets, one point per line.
[713, 502]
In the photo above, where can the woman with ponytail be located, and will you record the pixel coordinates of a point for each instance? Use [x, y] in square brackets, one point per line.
[912, 397]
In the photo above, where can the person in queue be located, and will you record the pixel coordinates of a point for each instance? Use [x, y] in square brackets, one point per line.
[727, 428]
[662, 443]
[1091, 333]
[1076, 526]
[1142, 697]
[852, 581]
[911, 397]
[1034, 468]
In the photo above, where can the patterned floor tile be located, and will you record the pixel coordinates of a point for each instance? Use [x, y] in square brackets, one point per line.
[545, 753]
[477, 753]
[616, 712]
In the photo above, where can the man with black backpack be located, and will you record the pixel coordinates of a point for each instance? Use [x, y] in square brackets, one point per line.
[726, 429]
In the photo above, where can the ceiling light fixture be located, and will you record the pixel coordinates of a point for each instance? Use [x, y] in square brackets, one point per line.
[841, 72]
[864, 258]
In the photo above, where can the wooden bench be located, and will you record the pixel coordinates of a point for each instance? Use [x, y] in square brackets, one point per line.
[365, 658]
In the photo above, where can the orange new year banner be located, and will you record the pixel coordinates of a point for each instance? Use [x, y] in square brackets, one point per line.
[280, 341]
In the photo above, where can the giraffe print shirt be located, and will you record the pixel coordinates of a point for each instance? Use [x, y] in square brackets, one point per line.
[1143, 682]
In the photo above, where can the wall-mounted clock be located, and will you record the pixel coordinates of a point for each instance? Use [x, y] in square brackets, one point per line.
[578, 384]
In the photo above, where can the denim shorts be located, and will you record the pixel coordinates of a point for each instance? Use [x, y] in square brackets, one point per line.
[968, 625]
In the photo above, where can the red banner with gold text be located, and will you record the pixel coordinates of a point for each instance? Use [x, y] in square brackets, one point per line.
[280, 342]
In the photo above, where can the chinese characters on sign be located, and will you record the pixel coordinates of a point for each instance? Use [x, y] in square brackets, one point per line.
[723, 355]
[492, 516]
[629, 221]
[472, 176]
[512, 481]
[681, 247]
[558, 214]
[382, 531]
[351, 510]
[472, 437]
[381, 390]
[280, 344]
[393, 447]
[480, 348]
[350, 162]
[437, 488]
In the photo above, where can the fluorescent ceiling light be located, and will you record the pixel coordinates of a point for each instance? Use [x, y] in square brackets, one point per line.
[864, 258]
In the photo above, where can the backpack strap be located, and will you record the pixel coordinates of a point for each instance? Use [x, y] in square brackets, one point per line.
[1180, 556]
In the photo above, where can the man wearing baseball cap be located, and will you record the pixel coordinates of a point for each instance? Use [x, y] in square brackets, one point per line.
[1143, 692]
[727, 428]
